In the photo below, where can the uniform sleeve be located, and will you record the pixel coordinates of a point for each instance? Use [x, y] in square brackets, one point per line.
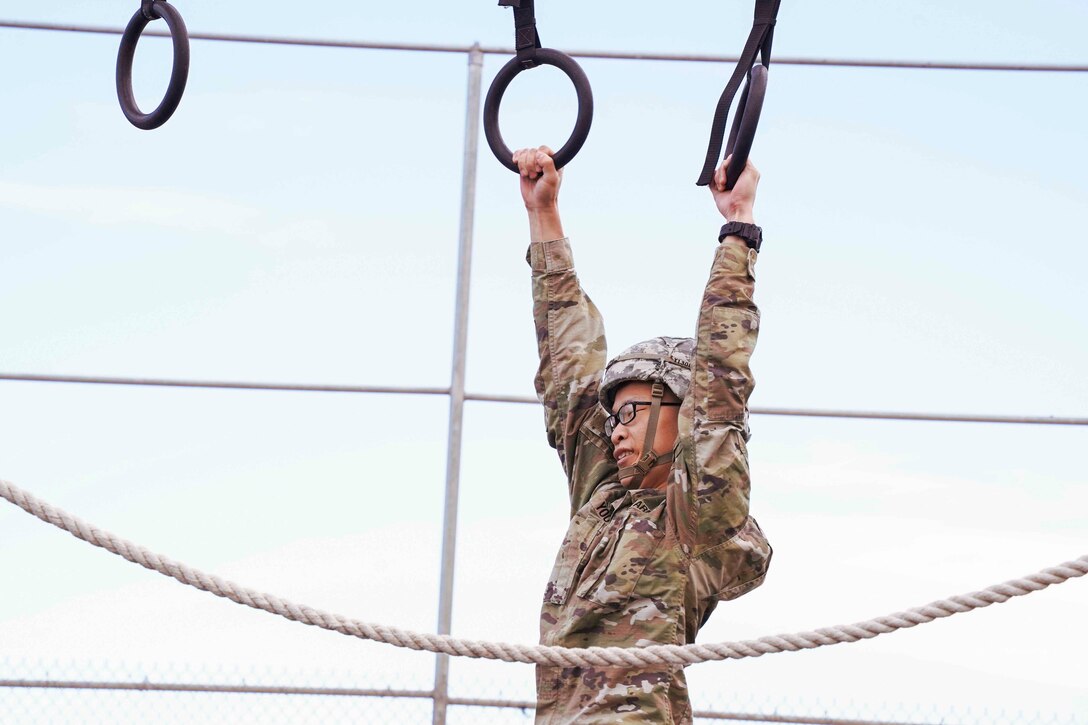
[571, 343]
[710, 501]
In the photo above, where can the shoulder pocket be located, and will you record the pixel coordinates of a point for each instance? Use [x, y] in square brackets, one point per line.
[729, 378]
[734, 567]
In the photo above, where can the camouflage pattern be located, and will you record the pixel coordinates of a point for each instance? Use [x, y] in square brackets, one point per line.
[640, 567]
[662, 359]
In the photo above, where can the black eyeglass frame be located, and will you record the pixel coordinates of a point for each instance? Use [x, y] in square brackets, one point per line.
[618, 417]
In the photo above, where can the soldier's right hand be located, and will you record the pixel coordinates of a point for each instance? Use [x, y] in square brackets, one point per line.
[539, 178]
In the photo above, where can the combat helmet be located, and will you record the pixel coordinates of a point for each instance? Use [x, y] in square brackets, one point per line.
[662, 361]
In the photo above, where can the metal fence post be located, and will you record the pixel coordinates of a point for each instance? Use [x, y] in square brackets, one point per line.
[457, 380]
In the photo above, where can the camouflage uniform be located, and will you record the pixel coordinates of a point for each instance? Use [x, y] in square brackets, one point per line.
[641, 567]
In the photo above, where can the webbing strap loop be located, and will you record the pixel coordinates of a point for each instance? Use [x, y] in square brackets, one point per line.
[526, 37]
[758, 43]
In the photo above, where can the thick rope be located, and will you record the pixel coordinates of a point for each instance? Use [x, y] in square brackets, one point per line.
[560, 656]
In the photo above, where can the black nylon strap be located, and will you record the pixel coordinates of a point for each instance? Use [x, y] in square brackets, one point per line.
[526, 37]
[759, 42]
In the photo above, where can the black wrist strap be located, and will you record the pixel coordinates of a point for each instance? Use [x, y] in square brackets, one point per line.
[752, 234]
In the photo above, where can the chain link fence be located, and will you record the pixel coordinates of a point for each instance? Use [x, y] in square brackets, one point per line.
[104, 691]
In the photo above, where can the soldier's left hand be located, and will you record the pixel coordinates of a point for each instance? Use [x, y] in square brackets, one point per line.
[737, 203]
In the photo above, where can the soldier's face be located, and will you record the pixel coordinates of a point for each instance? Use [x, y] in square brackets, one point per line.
[628, 439]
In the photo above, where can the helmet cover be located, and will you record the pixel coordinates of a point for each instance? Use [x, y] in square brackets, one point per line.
[661, 359]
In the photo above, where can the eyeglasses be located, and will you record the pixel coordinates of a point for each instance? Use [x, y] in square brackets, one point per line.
[626, 414]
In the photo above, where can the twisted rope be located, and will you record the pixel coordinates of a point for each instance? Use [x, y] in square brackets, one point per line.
[558, 656]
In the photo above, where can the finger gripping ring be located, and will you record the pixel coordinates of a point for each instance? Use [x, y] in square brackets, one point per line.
[743, 131]
[563, 62]
[179, 74]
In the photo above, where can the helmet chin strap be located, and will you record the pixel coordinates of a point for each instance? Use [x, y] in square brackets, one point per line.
[649, 459]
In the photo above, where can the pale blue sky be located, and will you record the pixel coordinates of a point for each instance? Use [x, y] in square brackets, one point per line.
[297, 221]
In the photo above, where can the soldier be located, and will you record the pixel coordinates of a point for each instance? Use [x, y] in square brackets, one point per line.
[654, 448]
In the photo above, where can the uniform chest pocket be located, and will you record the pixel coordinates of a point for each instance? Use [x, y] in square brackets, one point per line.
[583, 536]
[620, 560]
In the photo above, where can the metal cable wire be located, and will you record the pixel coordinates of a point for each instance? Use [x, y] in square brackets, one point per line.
[244, 689]
[500, 398]
[602, 54]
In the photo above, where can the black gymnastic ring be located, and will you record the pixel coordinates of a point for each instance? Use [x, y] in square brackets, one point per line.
[743, 131]
[563, 62]
[179, 36]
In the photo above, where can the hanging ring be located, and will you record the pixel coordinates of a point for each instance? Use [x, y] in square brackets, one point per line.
[743, 131]
[179, 36]
[563, 62]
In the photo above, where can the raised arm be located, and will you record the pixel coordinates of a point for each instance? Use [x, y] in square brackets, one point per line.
[712, 506]
[569, 334]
